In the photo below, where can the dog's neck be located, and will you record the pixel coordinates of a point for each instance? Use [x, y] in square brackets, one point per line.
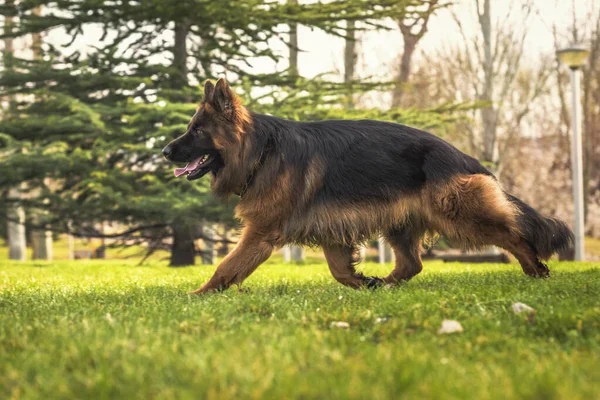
[253, 144]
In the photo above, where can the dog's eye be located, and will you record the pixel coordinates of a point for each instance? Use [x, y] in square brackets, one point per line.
[198, 131]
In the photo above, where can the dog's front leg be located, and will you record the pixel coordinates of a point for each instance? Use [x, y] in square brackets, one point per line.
[251, 251]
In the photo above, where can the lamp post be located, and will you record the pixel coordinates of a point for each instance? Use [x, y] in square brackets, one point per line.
[574, 58]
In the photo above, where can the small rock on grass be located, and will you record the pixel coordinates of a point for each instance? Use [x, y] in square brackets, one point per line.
[522, 308]
[340, 325]
[450, 326]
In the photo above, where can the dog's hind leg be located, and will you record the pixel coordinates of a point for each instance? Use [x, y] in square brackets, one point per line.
[474, 211]
[524, 253]
[252, 250]
[406, 243]
[341, 260]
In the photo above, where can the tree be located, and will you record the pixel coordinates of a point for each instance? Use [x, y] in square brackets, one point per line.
[413, 23]
[14, 212]
[488, 68]
[102, 178]
[350, 57]
[591, 122]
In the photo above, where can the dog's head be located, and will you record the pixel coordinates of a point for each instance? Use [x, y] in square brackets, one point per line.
[212, 135]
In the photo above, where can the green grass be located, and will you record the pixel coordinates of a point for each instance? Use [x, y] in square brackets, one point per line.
[108, 329]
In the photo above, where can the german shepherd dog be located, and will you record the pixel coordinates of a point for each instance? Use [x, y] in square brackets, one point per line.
[336, 184]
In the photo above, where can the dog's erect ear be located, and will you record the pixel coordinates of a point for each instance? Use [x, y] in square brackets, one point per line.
[224, 100]
[209, 90]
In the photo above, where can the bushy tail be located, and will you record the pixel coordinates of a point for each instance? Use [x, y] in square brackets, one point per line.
[546, 235]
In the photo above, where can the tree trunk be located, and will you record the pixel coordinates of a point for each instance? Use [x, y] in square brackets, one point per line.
[411, 34]
[17, 246]
[362, 251]
[7, 54]
[286, 252]
[292, 253]
[180, 54]
[588, 115]
[350, 60]
[17, 249]
[410, 44]
[488, 113]
[208, 250]
[36, 38]
[41, 240]
[71, 246]
[297, 253]
[294, 72]
[183, 250]
[16, 214]
[293, 47]
[385, 251]
[224, 248]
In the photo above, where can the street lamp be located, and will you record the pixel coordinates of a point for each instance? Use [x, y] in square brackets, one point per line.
[574, 58]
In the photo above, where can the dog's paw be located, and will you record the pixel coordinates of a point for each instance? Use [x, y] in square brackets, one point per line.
[209, 288]
[539, 270]
[198, 292]
[204, 289]
[542, 270]
[373, 282]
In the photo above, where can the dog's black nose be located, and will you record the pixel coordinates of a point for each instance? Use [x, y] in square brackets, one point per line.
[167, 151]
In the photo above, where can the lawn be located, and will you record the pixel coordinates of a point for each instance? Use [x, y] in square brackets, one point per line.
[110, 329]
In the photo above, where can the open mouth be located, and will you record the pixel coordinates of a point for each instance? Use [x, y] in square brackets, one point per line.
[196, 168]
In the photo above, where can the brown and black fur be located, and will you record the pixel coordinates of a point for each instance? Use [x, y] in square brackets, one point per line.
[336, 184]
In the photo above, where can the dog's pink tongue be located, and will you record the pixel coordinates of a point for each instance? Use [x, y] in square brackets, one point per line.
[190, 167]
[180, 171]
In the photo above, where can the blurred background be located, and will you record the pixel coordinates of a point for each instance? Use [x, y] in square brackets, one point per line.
[91, 90]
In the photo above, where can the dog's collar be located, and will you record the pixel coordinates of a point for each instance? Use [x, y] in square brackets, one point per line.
[248, 182]
[257, 165]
